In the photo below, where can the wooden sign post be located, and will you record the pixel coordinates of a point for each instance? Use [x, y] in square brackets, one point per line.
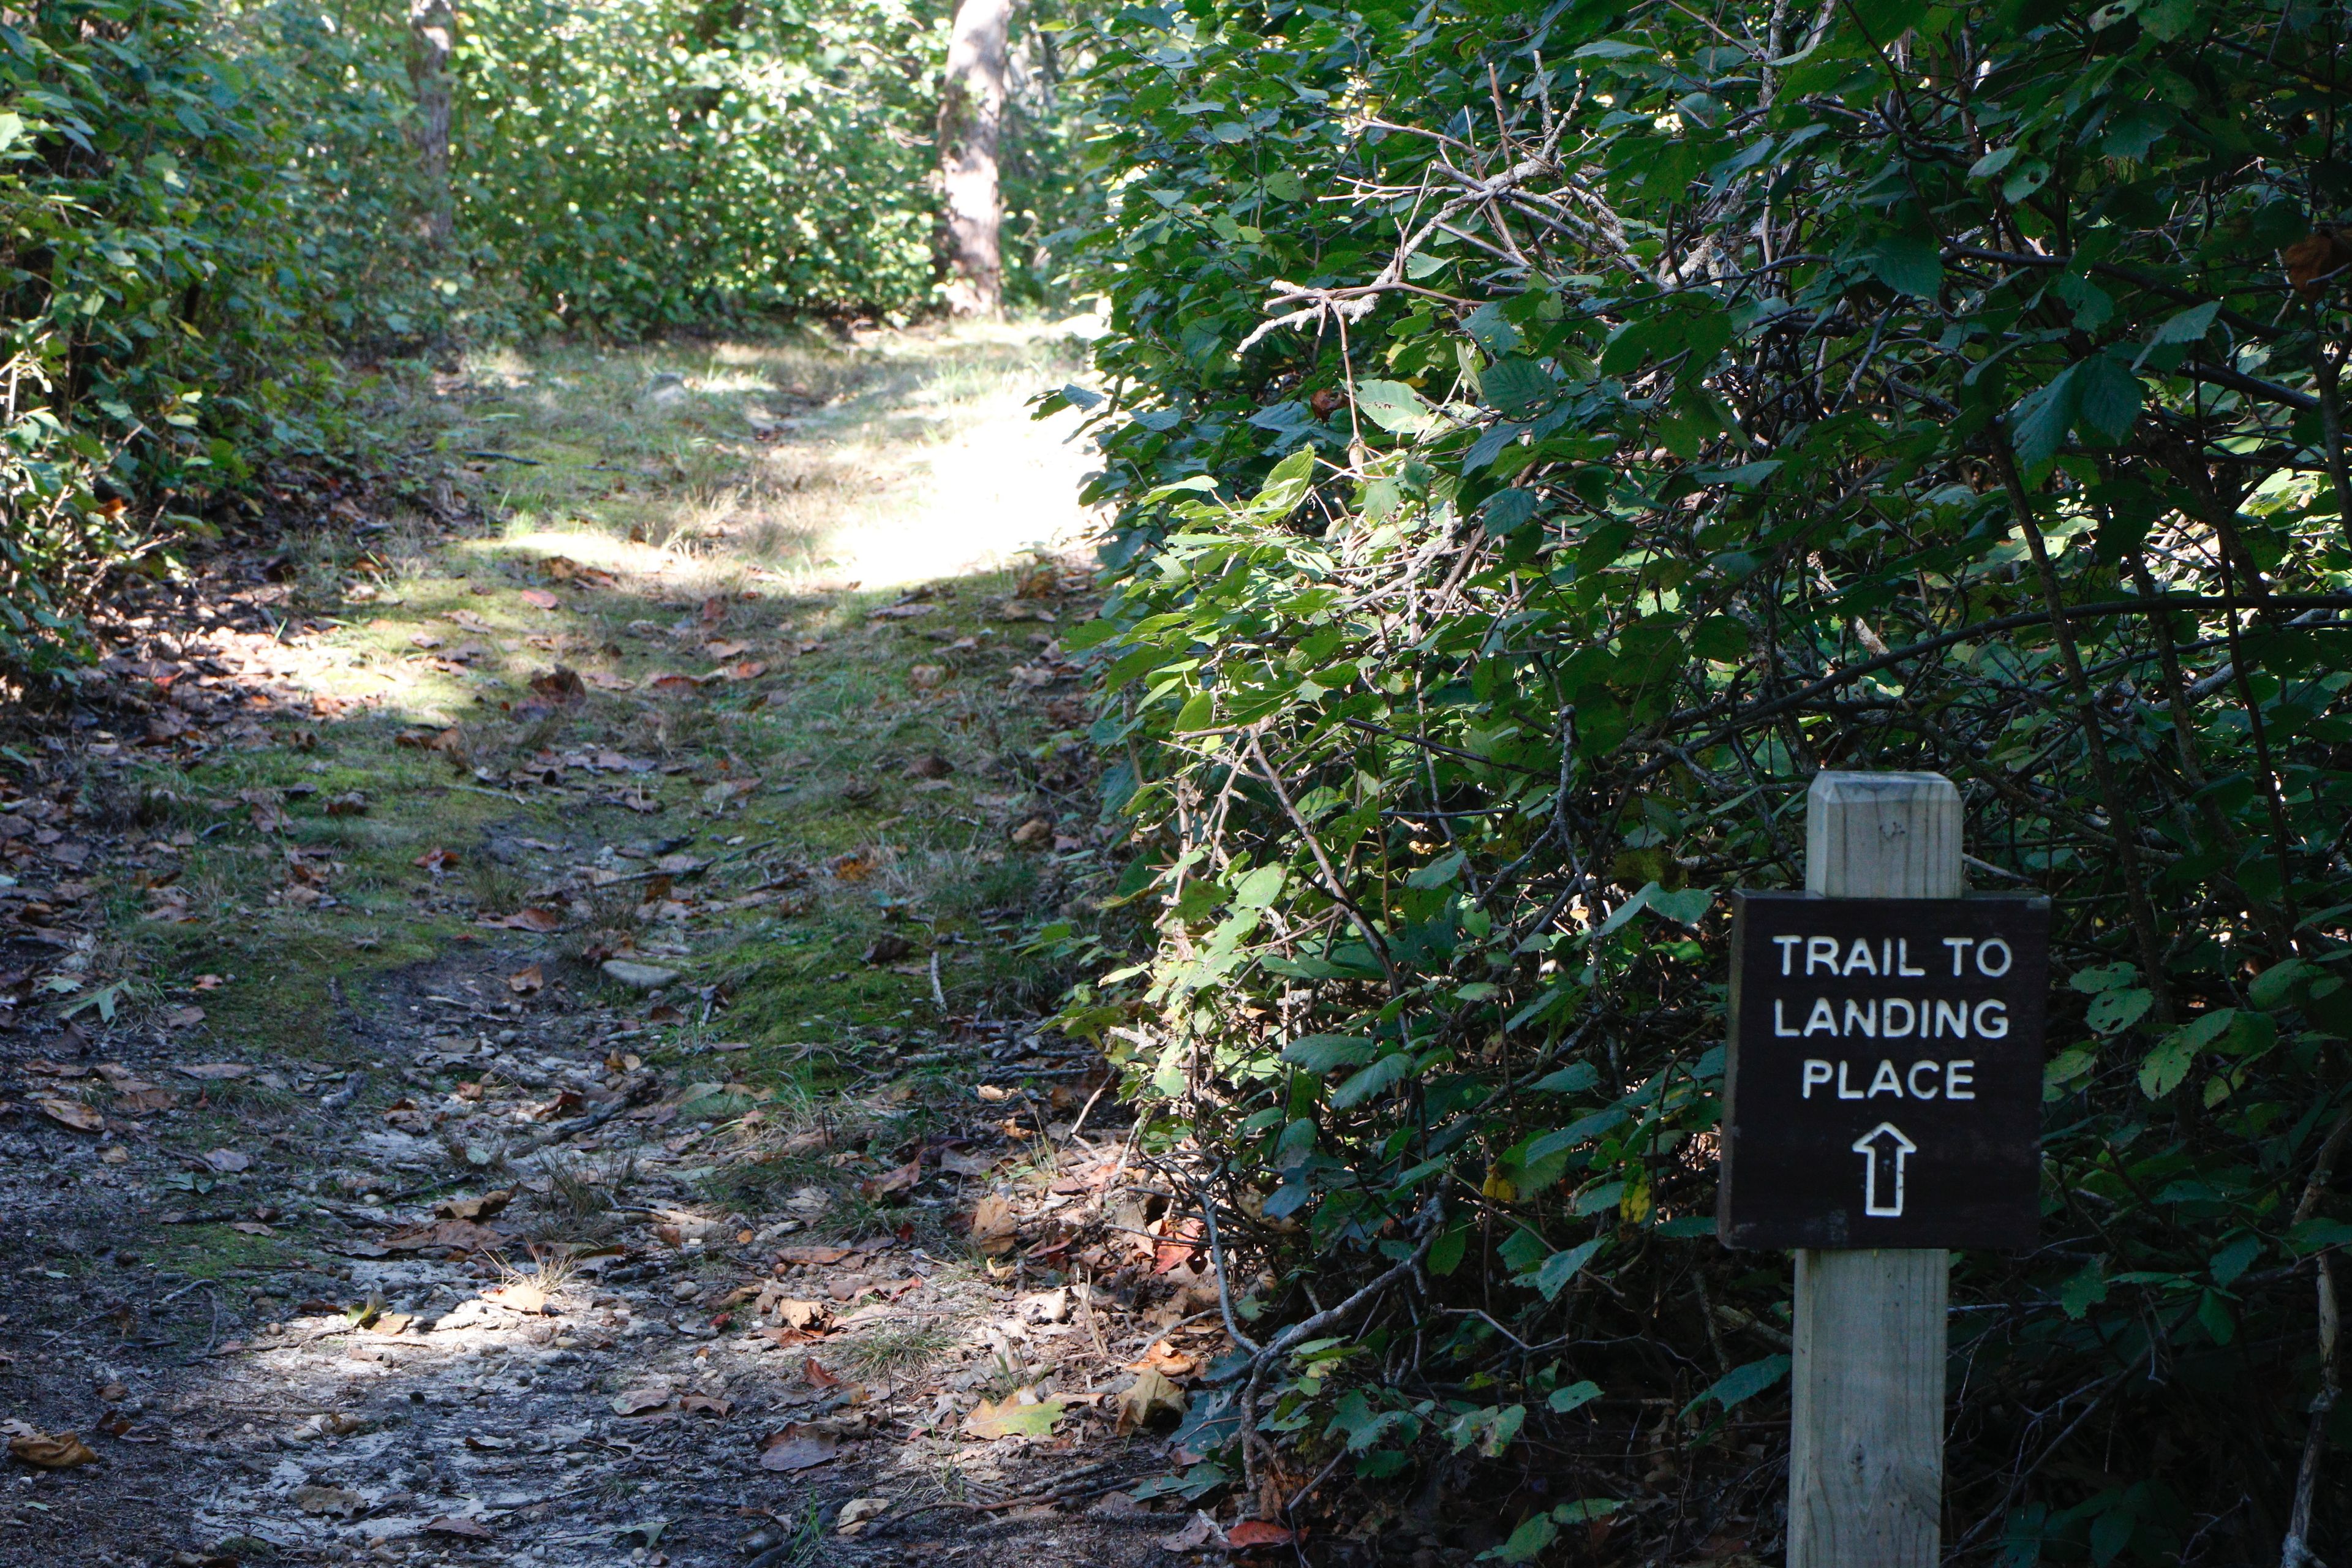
[1882, 1104]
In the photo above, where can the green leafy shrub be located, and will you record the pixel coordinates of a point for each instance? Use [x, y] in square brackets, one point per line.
[1543, 439]
[153, 297]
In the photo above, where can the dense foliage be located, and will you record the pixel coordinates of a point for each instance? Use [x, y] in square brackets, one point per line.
[147, 260]
[1546, 436]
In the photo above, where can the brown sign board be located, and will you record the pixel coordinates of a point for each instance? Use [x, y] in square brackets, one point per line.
[1883, 1085]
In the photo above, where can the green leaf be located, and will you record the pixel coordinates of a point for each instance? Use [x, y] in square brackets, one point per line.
[1259, 888]
[2107, 396]
[1909, 264]
[2105, 977]
[2086, 1289]
[1742, 1384]
[1327, 1052]
[2111, 1011]
[1563, 1266]
[1575, 1394]
[1688, 906]
[1527, 1543]
[1570, 1079]
[1389, 1070]
[2234, 1259]
[1516, 386]
[2187, 327]
[1393, 406]
[2169, 1064]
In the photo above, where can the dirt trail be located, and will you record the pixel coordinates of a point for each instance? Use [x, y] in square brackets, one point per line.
[515, 1048]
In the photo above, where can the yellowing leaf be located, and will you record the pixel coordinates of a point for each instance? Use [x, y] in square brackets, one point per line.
[1009, 1417]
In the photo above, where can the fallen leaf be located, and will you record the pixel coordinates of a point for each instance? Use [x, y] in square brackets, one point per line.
[793, 1313]
[229, 1161]
[795, 1449]
[823, 1256]
[817, 1376]
[215, 1069]
[1010, 1417]
[525, 982]
[70, 1113]
[560, 686]
[183, 1017]
[607, 681]
[532, 918]
[1149, 1396]
[458, 1525]
[1252, 1533]
[251, 1228]
[994, 1225]
[352, 804]
[487, 1206]
[1166, 1360]
[926, 677]
[930, 766]
[649, 1396]
[707, 1404]
[1176, 1247]
[1199, 1535]
[340, 1500]
[60, 1451]
[519, 1297]
[455, 1235]
[857, 1511]
[896, 1180]
[436, 859]
[145, 1101]
[538, 598]
[958, 1163]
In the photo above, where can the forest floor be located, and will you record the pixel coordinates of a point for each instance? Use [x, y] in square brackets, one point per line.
[513, 1032]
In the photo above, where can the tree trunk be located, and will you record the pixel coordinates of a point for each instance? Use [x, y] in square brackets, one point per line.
[971, 118]
[432, 30]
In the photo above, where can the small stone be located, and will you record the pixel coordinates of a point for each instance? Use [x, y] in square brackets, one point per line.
[641, 976]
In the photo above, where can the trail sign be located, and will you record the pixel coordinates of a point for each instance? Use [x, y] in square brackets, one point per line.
[1883, 1087]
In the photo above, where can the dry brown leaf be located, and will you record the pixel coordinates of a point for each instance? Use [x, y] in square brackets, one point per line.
[487, 1206]
[1166, 1360]
[533, 920]
[215, 1069]
[57, 1451]
[1201, 1534]
[538, 598]
[823, 1257]
[228, 1162]
[525, 982]
[1254, 1533]
[994, 1225]
[708, 1405]
[340, 1500]
[797, 1448]
[70, 1113]
[458, 1525]
[1146, 1399]
[649, 1395]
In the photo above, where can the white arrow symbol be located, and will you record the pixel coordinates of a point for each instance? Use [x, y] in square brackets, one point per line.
[1884, 1149]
